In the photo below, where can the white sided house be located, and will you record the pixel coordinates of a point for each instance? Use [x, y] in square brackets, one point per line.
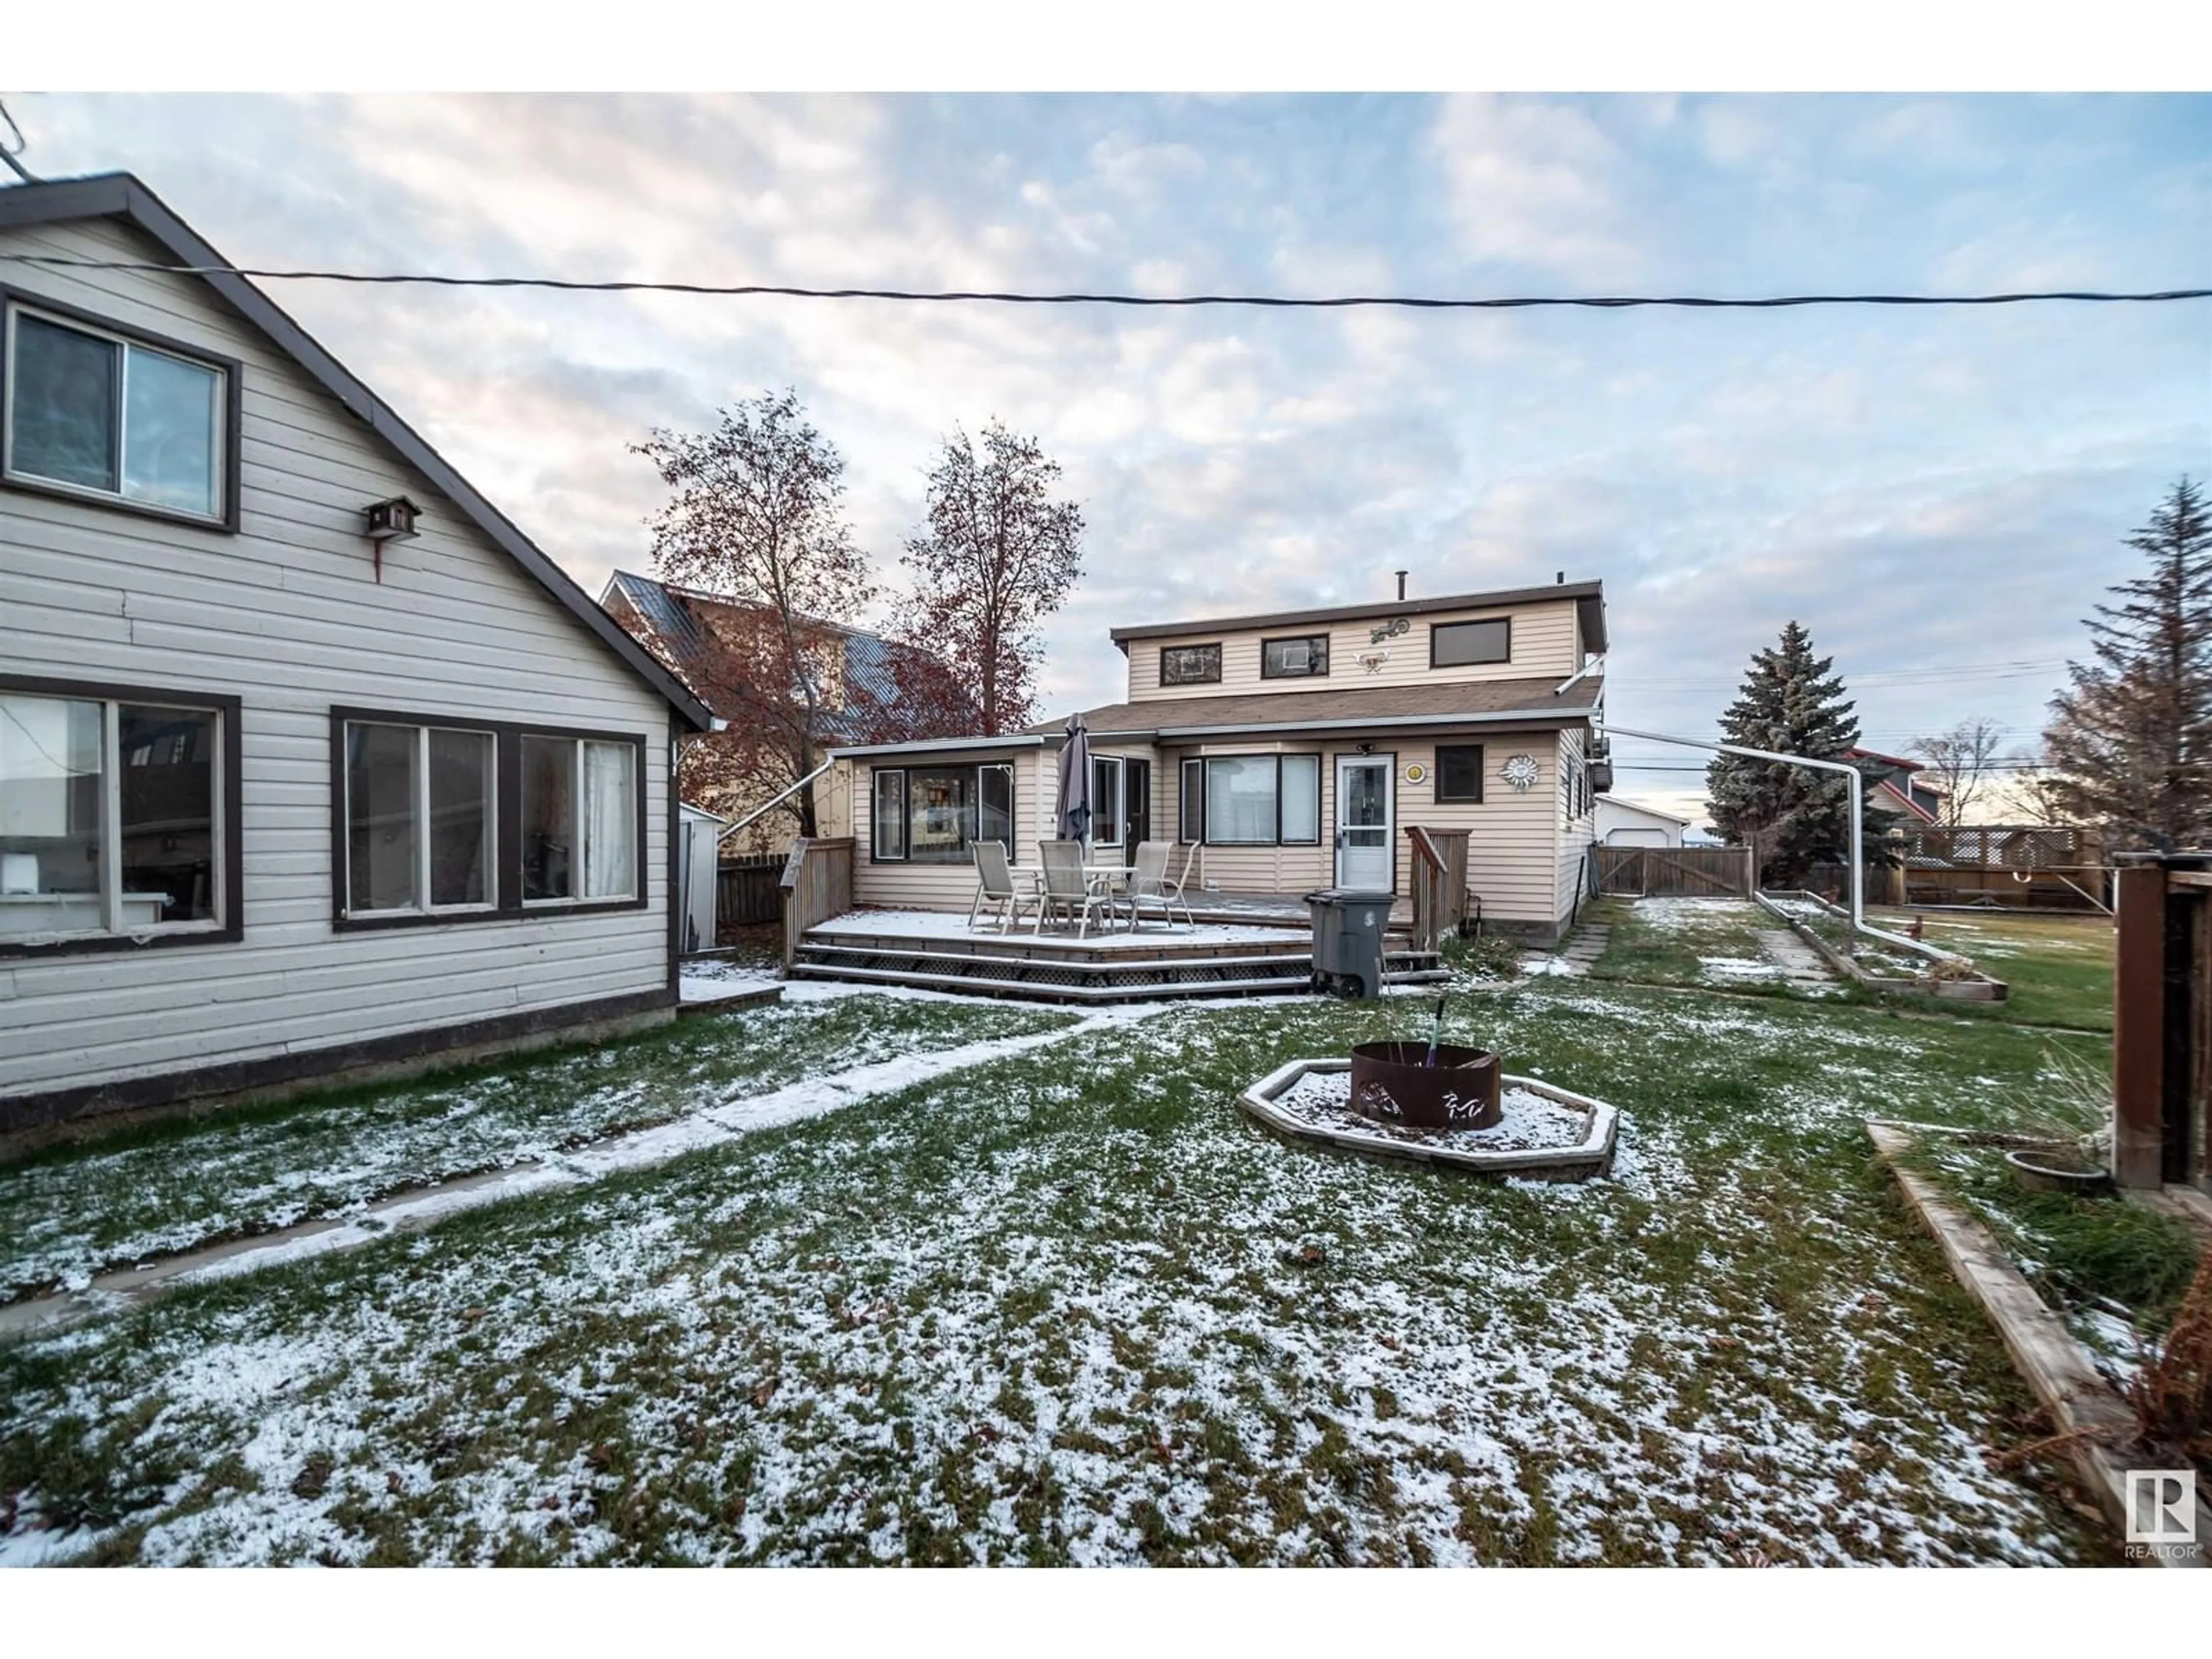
[1290, 751]
[1630, 824]
[310, 762]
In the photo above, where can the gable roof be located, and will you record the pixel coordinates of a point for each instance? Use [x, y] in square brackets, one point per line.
[121, 196]
[870, 660]
[1588, 599]
[1648, 811]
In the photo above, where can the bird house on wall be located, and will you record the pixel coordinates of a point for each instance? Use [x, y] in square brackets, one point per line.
[391, 521]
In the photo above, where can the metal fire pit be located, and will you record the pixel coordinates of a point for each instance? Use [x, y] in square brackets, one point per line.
[1461, 1090]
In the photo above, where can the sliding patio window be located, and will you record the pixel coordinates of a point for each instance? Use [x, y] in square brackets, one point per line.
[418, 819]
[115, 817]
[1261, 800]
[440, 821]
[106, 415]
[936, 814]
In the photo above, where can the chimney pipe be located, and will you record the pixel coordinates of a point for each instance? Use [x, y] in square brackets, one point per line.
[1401, 588]
[1559, 577]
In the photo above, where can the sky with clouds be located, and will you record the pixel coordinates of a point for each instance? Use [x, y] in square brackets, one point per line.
[1938, 495]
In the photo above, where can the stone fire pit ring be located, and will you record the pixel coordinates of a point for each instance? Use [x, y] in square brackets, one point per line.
[1589, 1153]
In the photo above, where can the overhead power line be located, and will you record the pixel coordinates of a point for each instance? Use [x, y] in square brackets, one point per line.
[1273, 301]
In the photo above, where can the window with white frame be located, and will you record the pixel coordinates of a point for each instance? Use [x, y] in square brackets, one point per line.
[104, 414]
[419, 819]
[1257, 800]
[579, 820]
[113, 815]
[888, 818]
[442, 821]
[1107, 802]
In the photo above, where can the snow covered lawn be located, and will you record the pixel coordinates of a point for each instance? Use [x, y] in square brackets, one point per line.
[1072, 1306]
[67, 1214]
[1723, 943]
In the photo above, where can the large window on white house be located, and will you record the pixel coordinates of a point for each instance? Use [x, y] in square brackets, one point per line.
[419, 819]
[1258, 801]
[114, 817]
[100, 413]
[579, 820]
[440, 821]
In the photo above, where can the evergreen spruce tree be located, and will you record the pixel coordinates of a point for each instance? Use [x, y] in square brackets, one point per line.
[2129, 743]
[1792, 817]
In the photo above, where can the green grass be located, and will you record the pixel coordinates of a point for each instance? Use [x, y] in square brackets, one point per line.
[2082, 1254]
[1073, 1306]
[1678, 941]
[2058, 968]
[73, 1210]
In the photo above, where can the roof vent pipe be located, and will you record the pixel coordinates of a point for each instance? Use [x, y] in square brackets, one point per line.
[1559, 577]
[1401, 588]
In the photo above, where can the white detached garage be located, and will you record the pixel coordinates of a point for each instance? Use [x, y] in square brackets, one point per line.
[309, 760]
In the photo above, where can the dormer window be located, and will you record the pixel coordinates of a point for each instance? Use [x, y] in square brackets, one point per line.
[1191, 665]
[95, 413]
[1462, 644]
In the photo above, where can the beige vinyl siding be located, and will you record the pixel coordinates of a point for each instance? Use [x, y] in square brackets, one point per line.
[1546, 639]
[907, 887]
[1253, 869]
[1513, 851]
[1577, 832]
[287, 615]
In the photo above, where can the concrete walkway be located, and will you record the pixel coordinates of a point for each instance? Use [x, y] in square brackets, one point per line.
[1586, 945]
[1800, 963]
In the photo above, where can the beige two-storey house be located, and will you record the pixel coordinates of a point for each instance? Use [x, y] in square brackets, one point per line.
[1290, 751]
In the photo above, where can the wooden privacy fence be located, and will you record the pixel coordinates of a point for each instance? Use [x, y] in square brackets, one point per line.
[1674, 872]
[2008, 866]
[749, 891]
[817, 884]
[1439, 882]
[2162, 1021]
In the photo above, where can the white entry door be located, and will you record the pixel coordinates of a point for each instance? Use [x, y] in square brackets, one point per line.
[1363, 823]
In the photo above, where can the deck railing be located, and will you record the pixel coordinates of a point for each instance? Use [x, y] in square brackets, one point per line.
[1439, 872]
[817, 885]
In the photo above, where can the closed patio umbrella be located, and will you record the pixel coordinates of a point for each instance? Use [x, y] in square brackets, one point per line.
[1072, 819]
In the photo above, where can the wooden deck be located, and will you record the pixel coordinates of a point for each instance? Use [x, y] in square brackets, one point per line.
[1246, 951]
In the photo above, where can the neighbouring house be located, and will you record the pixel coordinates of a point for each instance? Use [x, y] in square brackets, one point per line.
[1895, 782]
[1628, 824]
[311, 761]
[1292, 751]
[868, 688]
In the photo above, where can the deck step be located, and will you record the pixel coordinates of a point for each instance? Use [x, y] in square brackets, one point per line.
[1035, 991]
[989, 966]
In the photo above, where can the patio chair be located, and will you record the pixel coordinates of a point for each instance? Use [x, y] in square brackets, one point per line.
[995, 887]
[1150, 883]
[1067, 892]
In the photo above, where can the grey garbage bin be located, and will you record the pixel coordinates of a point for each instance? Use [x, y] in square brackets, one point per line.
[1347, 940]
